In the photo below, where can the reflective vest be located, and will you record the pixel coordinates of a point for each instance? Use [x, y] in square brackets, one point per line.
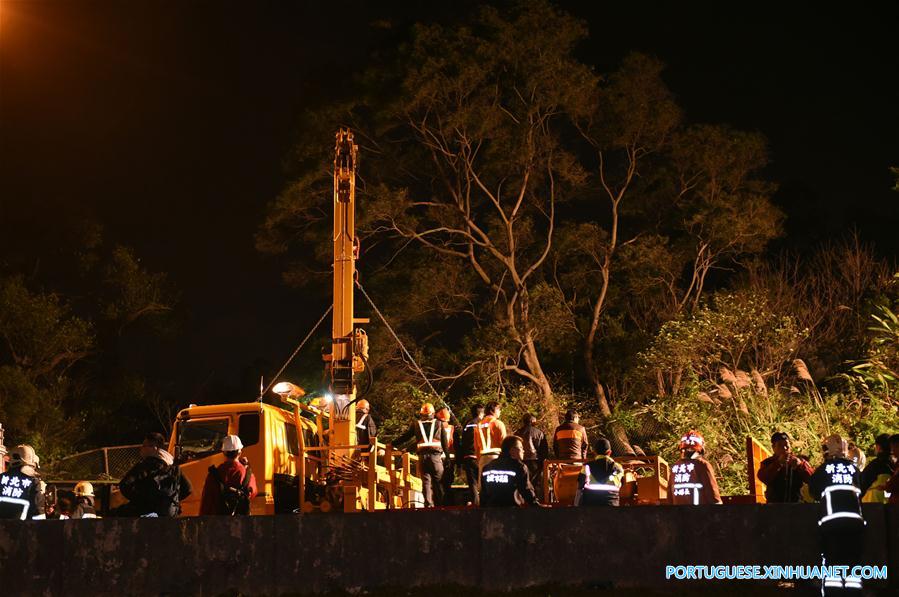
[429, 440]
[602, 482]
[448, 432]
[484, 431]
[360, 424]
[877, 493]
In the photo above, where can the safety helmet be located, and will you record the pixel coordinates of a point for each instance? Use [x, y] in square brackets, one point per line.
[231, 443]
[835, 446]
[24, 454]
[84, 489]
[692, 440]
[427, 408]
[362, 405]
[443, 414]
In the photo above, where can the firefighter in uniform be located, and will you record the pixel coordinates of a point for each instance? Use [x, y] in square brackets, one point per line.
[600, 481]
[431, 446]
[21, 495]
[466, 455]
[692, 480]
[489, 436]
[877, 474]
[505, 480]
[366, 429]
[84, 501]
[570, 438]
[836, 485]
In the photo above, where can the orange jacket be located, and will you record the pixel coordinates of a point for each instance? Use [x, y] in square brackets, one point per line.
[489, 435]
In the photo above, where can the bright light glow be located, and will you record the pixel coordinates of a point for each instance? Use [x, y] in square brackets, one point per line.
[285, 389]
[328, 398]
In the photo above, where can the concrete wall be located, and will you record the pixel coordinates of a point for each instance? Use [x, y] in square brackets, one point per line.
[477, 549]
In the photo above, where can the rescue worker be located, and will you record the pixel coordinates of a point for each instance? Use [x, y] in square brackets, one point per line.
[692, 479]
[892, 486]
[449, 457]
[230, 486]
[431, 447]
[600, 481]
[836, 485]
[366, 429]
[489, 436]
[505, 480]
[783, 473]
[466, 455]
[155, 486]
[536, 448]
[84, 501]
[570, 438]
[877, 474]
[21, 495]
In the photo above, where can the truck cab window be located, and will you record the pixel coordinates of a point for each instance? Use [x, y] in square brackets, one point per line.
[248, 429]
[201, 437]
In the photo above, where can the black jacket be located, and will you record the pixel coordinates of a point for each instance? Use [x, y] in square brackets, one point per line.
[840, 478]
[154, 486]
[20, 495]
[879, 466]
[365, 430]
[505, 482]
[603, 485]
[465, 447]
[535, 445]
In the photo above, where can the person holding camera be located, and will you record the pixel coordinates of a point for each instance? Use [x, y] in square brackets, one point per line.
[231, 485]
[784, 473]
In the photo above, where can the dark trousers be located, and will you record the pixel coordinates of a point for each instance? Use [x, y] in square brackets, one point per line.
[449, 475]
[842, 541]
[535, 474]
[431, 476]
[470, 466]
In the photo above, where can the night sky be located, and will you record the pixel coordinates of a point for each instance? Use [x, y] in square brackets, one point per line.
[169, 123]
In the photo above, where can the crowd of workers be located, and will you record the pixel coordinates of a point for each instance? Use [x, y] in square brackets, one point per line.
[499, 468]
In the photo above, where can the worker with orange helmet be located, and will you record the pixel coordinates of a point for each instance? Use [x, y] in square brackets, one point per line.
[692, 479]
[431, 446]
[366, 429]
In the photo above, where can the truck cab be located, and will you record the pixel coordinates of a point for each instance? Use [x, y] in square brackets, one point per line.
[271, 443]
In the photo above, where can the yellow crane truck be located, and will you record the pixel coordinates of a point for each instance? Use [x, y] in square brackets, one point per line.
[305, 455]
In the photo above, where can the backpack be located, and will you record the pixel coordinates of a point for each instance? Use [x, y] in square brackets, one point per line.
[167, 481]
[234, 500]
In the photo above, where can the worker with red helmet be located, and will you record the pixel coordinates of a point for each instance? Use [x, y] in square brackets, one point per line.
[692, 479]
[431, 446]
[366, 429]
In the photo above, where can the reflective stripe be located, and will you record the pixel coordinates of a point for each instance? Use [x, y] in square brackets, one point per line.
[39, 517]
[568, 434]
[694, 486]
[498, 472]
[852, 488]
[428, 439]
[361, 424]
[597, 486]
[89, 516]
[19, 502]
[841, 515]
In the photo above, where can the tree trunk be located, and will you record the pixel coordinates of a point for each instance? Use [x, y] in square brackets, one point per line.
[617, 431]
[550, 405]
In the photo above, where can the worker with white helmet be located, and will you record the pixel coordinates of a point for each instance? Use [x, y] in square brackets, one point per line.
[84, 501]
[231, 485]
[836, 485]
[21, 496]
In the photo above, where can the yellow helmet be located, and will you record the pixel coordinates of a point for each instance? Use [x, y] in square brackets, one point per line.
[84, 489]
[427, 408]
